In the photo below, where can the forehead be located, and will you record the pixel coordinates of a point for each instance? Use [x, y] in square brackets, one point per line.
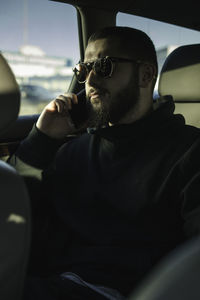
[101, 48]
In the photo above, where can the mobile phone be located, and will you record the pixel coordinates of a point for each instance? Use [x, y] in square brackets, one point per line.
[79, 112]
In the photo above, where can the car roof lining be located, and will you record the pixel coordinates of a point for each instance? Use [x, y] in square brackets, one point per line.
[188, 18]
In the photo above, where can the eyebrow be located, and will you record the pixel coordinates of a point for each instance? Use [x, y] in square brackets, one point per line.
[92, 54]
[90, 60]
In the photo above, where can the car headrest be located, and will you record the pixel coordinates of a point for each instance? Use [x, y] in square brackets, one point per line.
[9, 95]
[180, 74]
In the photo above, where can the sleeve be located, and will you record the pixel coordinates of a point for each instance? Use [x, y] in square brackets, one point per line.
[35, 154]
[34, 158]
[38, 149]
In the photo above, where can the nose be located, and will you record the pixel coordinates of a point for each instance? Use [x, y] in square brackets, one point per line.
[92, 78]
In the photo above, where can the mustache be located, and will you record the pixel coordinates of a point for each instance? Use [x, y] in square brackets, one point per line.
[96, 89]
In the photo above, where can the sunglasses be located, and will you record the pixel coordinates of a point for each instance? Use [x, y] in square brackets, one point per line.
[102, 67]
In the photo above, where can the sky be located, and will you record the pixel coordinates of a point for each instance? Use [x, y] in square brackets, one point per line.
[53, 27]
[50, 25]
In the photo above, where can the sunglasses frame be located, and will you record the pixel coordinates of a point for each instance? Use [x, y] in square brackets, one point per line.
[88, 66]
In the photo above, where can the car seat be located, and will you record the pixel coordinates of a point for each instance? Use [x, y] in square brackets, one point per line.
[176, 277]
[14, 200]
[180, 78]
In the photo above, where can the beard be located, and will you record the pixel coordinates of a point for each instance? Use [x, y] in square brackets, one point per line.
[98, 116]
[118, 106]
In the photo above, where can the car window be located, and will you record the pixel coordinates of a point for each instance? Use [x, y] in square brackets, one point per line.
[166, 37]
[39, 39]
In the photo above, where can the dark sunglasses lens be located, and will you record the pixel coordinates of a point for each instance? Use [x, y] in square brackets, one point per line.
[103, 67]
[80, 71]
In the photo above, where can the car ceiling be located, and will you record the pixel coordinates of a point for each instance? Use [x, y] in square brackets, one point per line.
[182, 16]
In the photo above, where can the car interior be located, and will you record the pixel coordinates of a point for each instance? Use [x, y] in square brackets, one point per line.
[179, 78]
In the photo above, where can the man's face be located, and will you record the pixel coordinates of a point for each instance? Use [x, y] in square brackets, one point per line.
[110, 98]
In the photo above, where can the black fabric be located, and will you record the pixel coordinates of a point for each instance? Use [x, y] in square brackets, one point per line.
[38, 159]
[176, 277]
[55, 288]
[121, 198]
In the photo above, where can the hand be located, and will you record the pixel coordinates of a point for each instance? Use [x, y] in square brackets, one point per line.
[55, 120]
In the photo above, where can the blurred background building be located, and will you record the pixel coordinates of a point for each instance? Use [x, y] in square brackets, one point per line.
[32, 66]
[40, 77]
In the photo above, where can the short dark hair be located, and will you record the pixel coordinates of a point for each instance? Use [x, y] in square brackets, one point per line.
[135, 42]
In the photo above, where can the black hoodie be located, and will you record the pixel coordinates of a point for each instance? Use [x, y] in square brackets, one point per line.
[121, 197]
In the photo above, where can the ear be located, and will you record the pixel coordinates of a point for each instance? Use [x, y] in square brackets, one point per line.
[147, 74]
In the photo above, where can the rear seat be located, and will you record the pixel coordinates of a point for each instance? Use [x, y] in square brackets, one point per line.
[180, 77]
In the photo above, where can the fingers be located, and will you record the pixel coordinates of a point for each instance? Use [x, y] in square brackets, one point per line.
[62, 106]
[71, 96]
[64, 102]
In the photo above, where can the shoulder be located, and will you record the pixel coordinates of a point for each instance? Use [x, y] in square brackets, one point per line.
[182, 133]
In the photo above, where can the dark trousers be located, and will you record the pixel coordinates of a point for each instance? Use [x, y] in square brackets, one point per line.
[56, 288]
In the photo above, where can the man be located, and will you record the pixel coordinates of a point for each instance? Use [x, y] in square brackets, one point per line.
[121, 196]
